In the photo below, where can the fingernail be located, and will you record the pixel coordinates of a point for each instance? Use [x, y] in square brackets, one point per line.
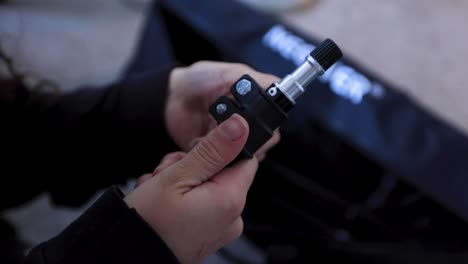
[233, 128]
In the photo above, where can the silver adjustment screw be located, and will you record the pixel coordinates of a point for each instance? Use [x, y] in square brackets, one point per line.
[221, 109]
[243, 87]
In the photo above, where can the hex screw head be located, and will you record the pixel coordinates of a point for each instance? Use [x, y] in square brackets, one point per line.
[221, 108]
[243, 87]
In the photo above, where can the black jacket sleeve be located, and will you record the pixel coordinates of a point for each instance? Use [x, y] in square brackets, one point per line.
[74, 144]
[108, 232]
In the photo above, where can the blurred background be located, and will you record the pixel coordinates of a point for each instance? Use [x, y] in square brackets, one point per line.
[419, 45]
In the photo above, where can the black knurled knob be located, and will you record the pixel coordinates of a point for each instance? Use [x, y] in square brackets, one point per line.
[326, 54]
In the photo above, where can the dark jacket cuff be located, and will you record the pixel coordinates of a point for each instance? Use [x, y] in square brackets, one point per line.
[108, 232]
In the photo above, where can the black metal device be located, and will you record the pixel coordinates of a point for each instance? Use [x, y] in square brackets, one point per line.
[266, 110]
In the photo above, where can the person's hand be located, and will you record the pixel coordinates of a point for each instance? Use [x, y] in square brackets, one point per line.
[191, 92]
[191, 200]
[165, 162]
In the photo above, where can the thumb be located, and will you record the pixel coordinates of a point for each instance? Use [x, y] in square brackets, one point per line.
[216, 150]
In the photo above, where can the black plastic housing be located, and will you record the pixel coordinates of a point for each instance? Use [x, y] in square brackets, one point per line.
[258, 108]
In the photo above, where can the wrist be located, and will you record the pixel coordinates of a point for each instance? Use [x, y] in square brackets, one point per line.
[145, 204]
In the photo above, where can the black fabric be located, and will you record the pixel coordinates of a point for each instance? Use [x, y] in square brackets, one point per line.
[11, 248]
[108, 232]
[154, 49]
[72, 145]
